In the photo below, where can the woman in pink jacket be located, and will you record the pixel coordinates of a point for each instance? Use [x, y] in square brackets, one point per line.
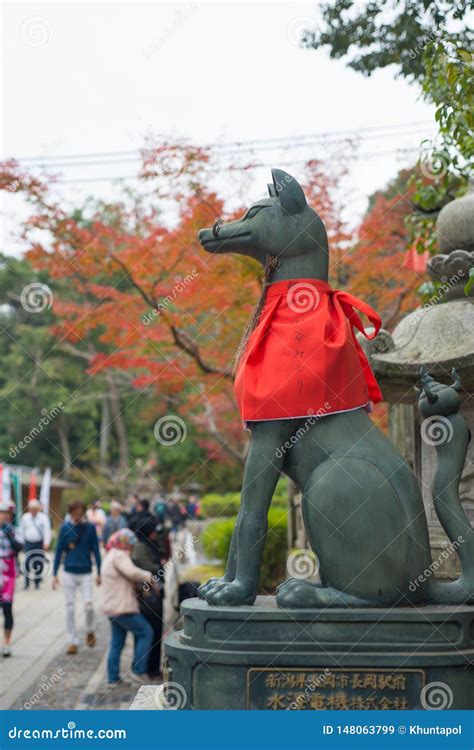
[9, 548]
[119, 577]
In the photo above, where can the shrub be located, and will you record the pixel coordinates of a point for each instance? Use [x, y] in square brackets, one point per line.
[276, 550]
[280, 496]
[216, 538]
[214, 505]
[216, 542]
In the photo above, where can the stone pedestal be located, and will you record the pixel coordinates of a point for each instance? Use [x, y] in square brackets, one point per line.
[147, 698]
[262, 657]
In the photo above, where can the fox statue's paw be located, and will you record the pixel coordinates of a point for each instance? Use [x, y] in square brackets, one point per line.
[204, 587]
[211, 585]
[230, 594]
[296, 593]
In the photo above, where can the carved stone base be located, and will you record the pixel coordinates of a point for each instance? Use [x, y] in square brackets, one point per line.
[262, 657]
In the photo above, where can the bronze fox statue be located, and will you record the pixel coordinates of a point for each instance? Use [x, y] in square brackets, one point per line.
[362, 507]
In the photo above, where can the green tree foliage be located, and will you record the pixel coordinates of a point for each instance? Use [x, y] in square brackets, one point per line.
[447, 162]
[373, 35]
[43, 419]
[52, 406]
[426, 42]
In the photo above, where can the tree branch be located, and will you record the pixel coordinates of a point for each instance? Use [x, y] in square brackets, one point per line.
[149, 300]
[213, 429]
[182, 340]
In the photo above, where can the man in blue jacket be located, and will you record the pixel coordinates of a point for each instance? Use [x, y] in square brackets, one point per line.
[78, 542]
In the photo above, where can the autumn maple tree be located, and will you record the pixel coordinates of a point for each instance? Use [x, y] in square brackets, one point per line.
[136, 297]
[382, 268]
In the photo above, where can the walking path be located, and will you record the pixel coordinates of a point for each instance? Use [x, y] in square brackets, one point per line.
[39, 674]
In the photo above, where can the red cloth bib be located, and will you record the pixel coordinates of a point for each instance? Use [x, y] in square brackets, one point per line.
[303, 357]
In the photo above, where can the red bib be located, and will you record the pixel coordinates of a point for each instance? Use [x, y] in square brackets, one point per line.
[303, 357]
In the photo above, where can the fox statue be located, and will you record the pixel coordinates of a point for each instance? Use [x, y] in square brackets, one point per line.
[304, 389]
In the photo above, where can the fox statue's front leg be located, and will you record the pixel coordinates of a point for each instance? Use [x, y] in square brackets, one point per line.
[262, 471]
[214, 584]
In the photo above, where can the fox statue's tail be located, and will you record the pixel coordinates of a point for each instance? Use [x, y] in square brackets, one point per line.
[445, 429]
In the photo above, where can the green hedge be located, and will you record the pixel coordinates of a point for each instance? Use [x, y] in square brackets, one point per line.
[214, 505]
[216, 542]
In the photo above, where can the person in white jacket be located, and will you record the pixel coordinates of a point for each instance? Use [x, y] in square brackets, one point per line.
[119, 577]
[35, 534]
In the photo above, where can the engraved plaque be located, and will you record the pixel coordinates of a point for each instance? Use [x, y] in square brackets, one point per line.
[322, 689]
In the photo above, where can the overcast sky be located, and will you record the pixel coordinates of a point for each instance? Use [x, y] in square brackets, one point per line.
[81, 78]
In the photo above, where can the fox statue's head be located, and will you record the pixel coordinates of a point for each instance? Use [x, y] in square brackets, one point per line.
[436, 399]
[282, 225]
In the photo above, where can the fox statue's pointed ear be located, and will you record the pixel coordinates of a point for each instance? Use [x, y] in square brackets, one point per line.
[289, 191]
[271, 191]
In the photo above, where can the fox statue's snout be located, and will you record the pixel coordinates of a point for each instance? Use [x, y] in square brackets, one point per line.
[232, 237]
[282, 224]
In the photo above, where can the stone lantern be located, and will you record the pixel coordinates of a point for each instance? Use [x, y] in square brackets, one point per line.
[438, 336]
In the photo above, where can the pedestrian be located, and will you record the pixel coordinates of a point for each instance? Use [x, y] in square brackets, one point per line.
[9, 548]
[131, 504]
[78, 543]
[35, 535]
[151, 553]
[121, 607]
[114, 521]
[159, 508]
[176, 514]
[192, 508]
[96, 516]
[140, 514]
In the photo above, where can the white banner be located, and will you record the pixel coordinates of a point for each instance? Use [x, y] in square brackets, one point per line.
[45, 490]
[6, 484]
